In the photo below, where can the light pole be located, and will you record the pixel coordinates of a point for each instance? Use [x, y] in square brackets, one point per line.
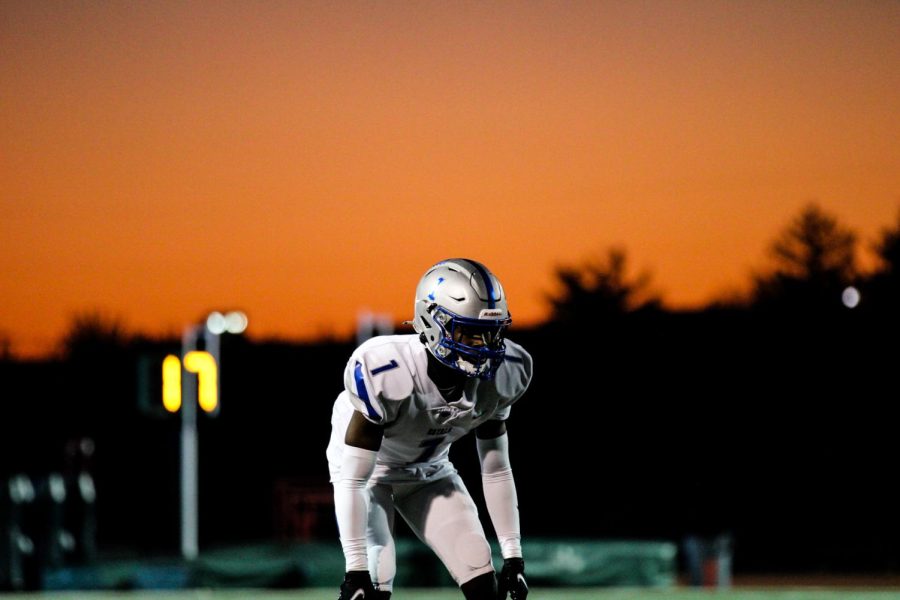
[181, 390]
[189, 450]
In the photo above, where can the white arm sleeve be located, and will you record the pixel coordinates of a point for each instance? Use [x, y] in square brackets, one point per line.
[500, 494]
[351, 505]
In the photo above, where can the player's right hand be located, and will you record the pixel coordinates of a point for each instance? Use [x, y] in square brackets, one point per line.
[357, 585]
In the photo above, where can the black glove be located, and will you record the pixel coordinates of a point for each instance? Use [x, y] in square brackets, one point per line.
[356, 586]
[512, 580]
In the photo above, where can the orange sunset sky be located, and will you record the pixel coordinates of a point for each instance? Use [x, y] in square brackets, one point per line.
[305, 160]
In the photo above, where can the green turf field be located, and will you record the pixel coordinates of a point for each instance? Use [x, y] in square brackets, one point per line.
[451, 594]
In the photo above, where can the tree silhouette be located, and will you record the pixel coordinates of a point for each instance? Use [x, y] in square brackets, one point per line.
[814, 259]
[882, 289]
[888, 249]
[600, 288]
[93, 333]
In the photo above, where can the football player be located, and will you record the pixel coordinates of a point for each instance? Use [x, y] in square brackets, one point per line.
[407, 398]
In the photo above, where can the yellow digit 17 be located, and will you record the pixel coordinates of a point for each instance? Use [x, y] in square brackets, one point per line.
[196, 361]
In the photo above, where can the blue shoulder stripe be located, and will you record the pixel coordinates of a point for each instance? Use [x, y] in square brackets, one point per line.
[362, 392]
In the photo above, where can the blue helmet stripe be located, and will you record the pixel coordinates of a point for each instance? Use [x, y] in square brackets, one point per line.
[487, 284]
[362, 392]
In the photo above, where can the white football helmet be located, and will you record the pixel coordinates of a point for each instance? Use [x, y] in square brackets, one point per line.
[461, 316]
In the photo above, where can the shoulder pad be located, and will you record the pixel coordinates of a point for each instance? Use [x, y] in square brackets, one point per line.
[377, 376]
[514, 375]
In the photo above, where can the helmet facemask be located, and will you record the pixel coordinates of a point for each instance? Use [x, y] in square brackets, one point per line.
[474, 346]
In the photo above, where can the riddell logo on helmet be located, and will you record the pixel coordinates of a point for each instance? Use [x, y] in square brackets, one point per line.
[490, 313]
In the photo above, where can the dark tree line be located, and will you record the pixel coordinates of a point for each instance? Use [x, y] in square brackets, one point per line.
[813, 260]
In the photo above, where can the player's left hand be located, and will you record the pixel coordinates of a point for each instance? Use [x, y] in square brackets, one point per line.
[512, 580]
[357, 585]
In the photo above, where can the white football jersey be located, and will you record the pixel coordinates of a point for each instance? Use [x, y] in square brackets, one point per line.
[386, 380]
